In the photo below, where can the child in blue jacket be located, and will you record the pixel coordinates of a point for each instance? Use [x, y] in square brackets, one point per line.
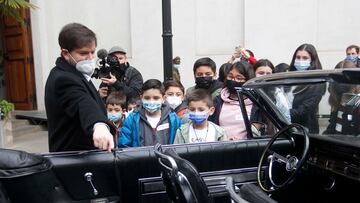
[152, 122]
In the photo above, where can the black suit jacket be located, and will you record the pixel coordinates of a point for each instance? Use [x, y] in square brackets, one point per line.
[73, 106]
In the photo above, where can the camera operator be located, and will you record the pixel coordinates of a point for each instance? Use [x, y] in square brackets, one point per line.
[123, 77]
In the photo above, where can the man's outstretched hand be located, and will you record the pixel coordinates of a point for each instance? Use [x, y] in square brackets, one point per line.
[102, 137]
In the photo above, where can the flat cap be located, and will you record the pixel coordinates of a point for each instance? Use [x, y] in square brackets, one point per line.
[116, 49]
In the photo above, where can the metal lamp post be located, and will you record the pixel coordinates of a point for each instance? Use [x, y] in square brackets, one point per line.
[167, 39]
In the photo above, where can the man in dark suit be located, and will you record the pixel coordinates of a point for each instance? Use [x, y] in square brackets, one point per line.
[76, 114]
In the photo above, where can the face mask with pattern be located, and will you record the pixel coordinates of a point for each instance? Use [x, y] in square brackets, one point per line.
[151, 106]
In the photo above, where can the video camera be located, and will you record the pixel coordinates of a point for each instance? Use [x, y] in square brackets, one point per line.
[104, 70]
[108, 63]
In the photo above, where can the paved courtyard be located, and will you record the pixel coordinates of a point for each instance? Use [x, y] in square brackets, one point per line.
[36, 142]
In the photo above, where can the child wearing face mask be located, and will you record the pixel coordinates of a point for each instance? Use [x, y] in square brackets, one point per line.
[174, 95]
[131, 105]
[227, 111]
[115, 105]
[199, 129]
[152, 121]
[205, 77]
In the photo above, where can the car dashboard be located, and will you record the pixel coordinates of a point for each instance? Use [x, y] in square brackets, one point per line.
[338, 154]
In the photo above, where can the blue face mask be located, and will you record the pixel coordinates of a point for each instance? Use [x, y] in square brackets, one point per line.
[198, 118]
[351, 58]
[302, 65]
[151, 106]
[114, 117]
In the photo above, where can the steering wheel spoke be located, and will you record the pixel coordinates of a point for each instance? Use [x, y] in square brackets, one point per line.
[276, 157]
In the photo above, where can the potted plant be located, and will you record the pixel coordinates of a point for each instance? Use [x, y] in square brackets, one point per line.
[5, 109]
[6, 136]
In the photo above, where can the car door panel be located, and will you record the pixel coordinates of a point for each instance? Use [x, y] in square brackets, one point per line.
[133, 174]
[238, 159]
[71, 169]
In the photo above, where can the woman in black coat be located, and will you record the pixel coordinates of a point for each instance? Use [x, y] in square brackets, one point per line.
[306, 99]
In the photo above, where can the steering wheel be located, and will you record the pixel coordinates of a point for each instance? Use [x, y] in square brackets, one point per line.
[292, 163]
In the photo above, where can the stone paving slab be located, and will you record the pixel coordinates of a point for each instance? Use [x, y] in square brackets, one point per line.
[36, 142]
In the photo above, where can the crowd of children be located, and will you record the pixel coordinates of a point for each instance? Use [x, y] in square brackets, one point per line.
[143, 114]
[208, 112]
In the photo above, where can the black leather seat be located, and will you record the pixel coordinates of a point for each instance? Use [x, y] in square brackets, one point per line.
[182, 181]
[29, 177]
[18, 163]
[185, 185]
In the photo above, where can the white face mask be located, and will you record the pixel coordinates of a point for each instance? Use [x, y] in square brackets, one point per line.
[173, 101]
[177, 66]
[86, 67]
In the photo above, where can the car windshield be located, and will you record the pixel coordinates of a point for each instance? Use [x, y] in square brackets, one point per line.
[325, 108]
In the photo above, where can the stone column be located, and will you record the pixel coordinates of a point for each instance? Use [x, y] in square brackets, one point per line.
[6, 135]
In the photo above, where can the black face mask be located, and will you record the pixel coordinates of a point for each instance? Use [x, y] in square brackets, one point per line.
[204, 82]
[119, 69]
[230, 84]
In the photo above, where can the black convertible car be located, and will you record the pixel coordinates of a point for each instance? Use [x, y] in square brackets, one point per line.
[303, 146]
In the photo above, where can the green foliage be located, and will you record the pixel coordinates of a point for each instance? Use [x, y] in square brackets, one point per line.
[6, 107]
[11, 8]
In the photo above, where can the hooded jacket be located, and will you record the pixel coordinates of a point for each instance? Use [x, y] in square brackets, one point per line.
[223, 99]
[137, 131]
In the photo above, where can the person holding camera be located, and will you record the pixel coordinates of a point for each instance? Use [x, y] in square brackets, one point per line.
[123, 77]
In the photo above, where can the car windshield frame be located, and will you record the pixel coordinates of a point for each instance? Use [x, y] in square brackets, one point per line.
[255, 87]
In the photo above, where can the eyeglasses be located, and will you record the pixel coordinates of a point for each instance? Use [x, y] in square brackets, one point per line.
[236, 79]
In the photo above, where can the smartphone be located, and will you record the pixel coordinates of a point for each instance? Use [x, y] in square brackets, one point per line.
[237, 53]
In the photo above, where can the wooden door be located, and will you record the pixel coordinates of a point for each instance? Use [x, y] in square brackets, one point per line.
[19, 68]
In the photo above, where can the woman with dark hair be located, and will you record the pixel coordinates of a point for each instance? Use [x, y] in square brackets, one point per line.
[263, 67]
[305, 57]
[227, 112]
[304, 100]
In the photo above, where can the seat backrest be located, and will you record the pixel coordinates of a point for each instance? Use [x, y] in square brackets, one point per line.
[182, 180]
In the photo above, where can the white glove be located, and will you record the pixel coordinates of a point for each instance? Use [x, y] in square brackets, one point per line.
[102, 137]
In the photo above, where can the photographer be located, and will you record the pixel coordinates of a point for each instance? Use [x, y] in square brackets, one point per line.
[123, 77]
